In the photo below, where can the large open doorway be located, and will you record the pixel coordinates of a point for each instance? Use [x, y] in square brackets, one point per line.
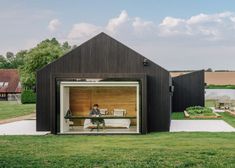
[118, 104]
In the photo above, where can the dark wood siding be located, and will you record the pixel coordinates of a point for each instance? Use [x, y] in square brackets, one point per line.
[101, 55]
[188, 91]
[43, 100]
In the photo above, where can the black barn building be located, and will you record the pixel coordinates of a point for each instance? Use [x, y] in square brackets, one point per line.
[133, 91]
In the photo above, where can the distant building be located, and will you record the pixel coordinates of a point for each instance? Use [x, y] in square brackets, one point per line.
[9, 83]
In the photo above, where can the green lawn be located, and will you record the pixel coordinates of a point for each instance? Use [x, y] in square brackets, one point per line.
[228, 118]
[210, 103]
[152, 150]
[10, 109]
[178, 116]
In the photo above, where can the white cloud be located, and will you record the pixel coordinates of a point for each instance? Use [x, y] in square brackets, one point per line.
[54, 25]
[197, 19]
[171, 22]
[141, 25]
[119, 26]
[116, 22]
[232, 19]
[81, 30]
[173, 26]
[197, 29]
[218, 26]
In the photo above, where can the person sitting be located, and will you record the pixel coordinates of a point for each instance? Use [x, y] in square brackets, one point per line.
[96, 112]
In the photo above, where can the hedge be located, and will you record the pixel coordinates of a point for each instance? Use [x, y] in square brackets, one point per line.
[28, 96]
[220, 87]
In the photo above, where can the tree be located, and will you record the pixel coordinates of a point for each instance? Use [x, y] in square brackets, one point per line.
[2, 61]
[74, 46]
[9, 55]
[66, 46]
[5, 63]
[209, 70]
[18, 60]
[39, 56]
[12, 61]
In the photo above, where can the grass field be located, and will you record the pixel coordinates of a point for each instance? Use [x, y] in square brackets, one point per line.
[151, 150]
[228, 118]
[160, 150]
[10, 109]
[210, 103]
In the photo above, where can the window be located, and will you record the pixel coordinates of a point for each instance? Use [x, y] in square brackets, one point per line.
[1, 84]
[19, 85]
[119, 100]
[5, 84]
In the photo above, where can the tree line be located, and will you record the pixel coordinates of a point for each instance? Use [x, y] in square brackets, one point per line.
[29, 61]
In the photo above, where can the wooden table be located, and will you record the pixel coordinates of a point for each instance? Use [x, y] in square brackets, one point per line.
[99, 117]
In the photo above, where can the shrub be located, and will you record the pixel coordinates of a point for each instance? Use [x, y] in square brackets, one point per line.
[28, 96]
[198, 110]
[220, 87]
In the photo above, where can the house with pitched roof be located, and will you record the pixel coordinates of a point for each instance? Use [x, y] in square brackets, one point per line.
[9, 83]
[134, 94]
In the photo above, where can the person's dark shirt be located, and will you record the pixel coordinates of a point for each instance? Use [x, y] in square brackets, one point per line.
[95, 112]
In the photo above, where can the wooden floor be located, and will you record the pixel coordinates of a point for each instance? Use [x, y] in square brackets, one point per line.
[81, 130]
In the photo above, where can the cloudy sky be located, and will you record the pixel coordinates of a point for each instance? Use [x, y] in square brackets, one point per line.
[184, 34]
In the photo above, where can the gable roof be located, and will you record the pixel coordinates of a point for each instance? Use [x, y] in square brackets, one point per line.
[9, 81]
[105, 38]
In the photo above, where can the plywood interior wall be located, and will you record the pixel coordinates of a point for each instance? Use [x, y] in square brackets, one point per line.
[83, 98]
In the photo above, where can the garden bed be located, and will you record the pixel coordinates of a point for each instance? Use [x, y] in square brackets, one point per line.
[200, 112]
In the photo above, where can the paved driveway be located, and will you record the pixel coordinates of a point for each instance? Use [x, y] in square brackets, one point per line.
[200, 126]
[28, 127]
[23, 127]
